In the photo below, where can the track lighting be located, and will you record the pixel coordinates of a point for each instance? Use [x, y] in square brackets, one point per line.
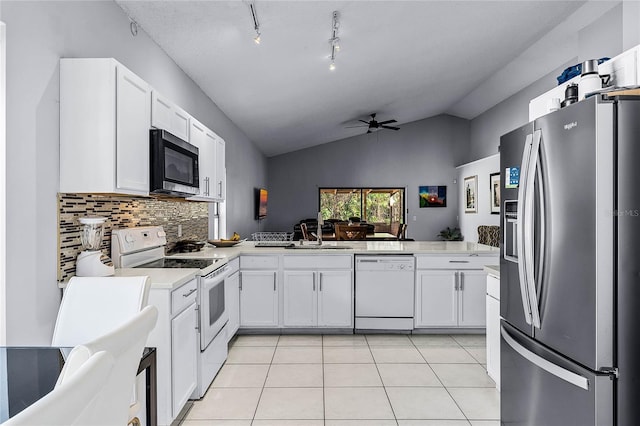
[256, 23]
[334, 41]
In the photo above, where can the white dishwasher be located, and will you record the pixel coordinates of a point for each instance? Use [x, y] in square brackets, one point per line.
[384, 292]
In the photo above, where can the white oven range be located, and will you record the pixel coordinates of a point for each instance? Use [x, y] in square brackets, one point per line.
[144, 247]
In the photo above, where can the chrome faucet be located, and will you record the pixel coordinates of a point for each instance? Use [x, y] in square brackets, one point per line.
[318, 233]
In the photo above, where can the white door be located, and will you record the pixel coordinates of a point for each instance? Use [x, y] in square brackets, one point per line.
[473, 290]
[493, 339]
[232, 303]
[436, 299]
[219, 191]
[258, 298]
[300, 298]
[335, 299]
[184, 352]
[132, 132]
[168, 116]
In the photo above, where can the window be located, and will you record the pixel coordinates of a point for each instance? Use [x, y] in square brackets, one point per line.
[382, 207]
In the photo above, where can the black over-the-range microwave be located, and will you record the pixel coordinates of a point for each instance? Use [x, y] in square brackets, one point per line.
[173, 165]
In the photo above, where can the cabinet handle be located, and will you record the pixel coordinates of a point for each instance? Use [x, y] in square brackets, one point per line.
[461, 278]
[274, 280]
[220, 189]
[314, 281]
[198, 317]
[206, 186]
[458, 261]
[320, 279]
[455, 278]
[240, 280]
[190, 293]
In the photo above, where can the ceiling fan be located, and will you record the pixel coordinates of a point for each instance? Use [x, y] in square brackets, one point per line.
[373, 125]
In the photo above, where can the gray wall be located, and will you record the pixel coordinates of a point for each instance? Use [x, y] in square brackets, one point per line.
[424, 152]
[38, 35]
[602, 38]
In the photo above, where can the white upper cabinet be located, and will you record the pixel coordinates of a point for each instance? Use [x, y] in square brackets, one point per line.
[169, 116]
[221, 170]
[104, 128]
[207, 142]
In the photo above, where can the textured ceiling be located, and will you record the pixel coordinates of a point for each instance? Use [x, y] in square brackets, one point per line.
[403, 60]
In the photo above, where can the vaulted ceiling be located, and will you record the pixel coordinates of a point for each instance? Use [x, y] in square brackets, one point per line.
[403, 60]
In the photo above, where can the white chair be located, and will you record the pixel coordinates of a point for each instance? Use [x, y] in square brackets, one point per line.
[93, 306]
[125, 344]
[70, 402]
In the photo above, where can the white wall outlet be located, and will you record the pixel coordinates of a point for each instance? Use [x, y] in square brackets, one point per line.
[414, 218]
[179, 230]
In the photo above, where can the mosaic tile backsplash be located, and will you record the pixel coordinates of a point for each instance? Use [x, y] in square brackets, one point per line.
[124, 212]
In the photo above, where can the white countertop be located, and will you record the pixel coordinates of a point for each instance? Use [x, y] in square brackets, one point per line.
[161, 277]
[169, 278]
[493, 270]
[357, 247]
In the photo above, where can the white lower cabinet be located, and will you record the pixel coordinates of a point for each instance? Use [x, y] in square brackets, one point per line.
[232, 302]
[318, 291]
[448, 296]
[318, 298]
[184, 366]
[259, 298]
[175, 338]
[493, 328]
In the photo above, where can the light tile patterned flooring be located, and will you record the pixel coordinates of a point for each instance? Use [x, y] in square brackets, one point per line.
[351, 380]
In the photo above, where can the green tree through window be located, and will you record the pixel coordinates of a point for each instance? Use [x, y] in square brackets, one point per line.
[383, 207]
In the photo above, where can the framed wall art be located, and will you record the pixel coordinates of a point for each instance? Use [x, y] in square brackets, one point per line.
[471, 194]
[432, 196]
[494, 192]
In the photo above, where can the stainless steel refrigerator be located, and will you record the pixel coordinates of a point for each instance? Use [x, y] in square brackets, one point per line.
[570, 267]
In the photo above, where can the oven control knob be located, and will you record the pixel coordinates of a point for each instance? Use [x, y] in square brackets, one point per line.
[401, 266]
[129, 238]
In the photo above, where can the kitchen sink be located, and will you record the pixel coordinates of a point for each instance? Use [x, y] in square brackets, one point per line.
[316, 247]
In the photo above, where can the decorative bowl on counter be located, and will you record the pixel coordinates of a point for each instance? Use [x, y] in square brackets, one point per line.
[224, 243]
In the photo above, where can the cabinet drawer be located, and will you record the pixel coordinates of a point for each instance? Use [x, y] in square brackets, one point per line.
[184, 296]
[453, 262]
[317, 262]
[259, 262]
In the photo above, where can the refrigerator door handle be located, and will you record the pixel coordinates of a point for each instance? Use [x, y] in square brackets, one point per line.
[520, 225]
[551, 368]
[529, 228]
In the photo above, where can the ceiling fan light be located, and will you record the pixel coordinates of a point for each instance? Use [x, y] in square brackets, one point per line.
[256, 39]
[332, 66]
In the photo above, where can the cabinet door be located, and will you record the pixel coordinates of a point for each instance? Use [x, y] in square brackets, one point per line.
[221, 171]
[335, 299]
[472, 303]
[300, 298]
[132, 132]
[436, 299]
[184, 352]
[258, 298]
[232, 303]
[206, 157]
[168, 116]
[493, 339]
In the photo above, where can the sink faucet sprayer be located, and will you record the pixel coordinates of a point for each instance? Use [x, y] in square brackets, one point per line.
[319, 230]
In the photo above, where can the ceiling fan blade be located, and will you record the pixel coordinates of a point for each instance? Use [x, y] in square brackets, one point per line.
[352, 127]
[365, 122]
[387, 122]
[390, 127]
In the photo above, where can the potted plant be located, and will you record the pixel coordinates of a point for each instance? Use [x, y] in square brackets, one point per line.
[451, 234]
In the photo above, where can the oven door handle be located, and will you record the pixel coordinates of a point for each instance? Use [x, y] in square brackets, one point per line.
[198, 325]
